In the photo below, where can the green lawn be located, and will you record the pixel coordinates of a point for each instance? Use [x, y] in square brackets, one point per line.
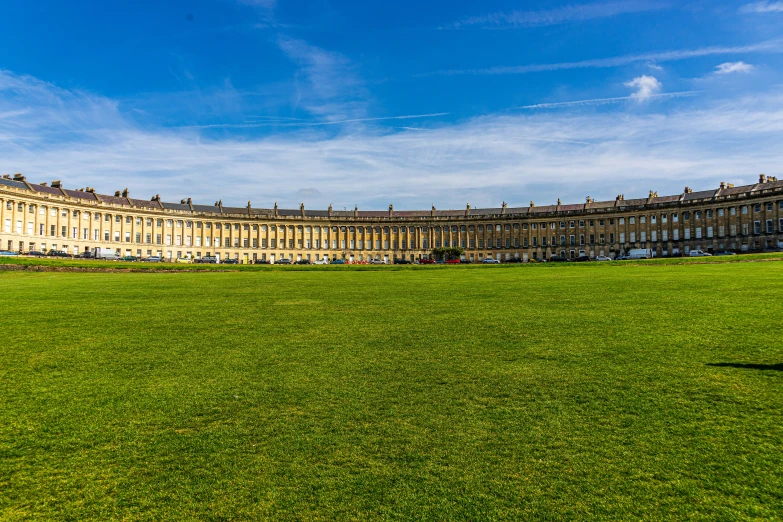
[600, 391]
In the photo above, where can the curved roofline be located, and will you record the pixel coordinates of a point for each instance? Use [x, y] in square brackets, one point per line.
[123, 198]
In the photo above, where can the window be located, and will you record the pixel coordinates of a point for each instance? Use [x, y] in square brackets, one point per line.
[571, 224]
[622, 221]
[709, 214]
[675, 218]
[709, 232]
[770, 229]
[757, 227]
[721, 212]
[757, 207]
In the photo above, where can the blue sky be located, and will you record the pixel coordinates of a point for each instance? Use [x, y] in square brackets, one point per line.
[410, 103]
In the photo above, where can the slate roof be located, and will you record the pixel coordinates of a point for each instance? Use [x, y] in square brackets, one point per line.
[175, 206]
[46, 189]
[117, 200]
[144, 203]
[486, 213]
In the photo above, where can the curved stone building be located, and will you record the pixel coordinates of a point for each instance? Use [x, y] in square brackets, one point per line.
[47, 216]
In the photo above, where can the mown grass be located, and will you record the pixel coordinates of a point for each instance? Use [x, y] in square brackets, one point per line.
[45, 262]
[586, 392]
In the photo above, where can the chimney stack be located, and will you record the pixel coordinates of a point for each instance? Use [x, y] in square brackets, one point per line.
[125, 192]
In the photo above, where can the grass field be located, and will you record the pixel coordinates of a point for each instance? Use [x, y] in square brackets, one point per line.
[606, 391]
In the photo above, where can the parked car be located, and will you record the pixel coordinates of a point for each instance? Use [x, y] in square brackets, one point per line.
[282, 261]
[490, 261]
[699, 253]
[323, 261]
[131, 259]
[426, 261]
[558, 259]
[603, 258]
[724, 253]
[337, 262]
[582, 259]
[153, 259]
[235, 261]
[261, 262]
[401, 261]
[57, 253]
[377, 262]
[207, 260]
[303, 262]
[514, 260]
[36, 253]
[8, 253]
[185, 260]
[453, 261]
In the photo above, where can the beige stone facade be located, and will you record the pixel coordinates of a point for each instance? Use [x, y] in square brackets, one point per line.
[47, 216]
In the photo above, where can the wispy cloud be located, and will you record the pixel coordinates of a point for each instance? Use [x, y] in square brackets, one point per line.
[733, 67]
[328, 84]
[560, 15]
[264, 4]
[769, 46]
[762, 7]
[284, 123]
[84, 139]
[646, 87]
[608, 101]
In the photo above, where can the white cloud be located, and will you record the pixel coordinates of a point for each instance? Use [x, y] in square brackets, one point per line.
[768, 46]
[328, 84]
[733, 67]
[51, 133]
[607, 101]
[559, 15]
[646, 87]
[762, 7]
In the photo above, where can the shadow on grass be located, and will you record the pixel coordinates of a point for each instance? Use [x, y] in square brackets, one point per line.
[774, 367]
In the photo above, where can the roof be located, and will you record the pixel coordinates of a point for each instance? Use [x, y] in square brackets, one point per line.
[175, 206]
[14, 184]
[482, 213]
[144, 203]
[45, 189]
[117, 200]
[704, 194]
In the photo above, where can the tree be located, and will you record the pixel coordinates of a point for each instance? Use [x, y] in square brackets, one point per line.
[447, 253]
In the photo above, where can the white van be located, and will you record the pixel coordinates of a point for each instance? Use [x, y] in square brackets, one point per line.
[699, 253]
[107, 254]
[639, 253]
